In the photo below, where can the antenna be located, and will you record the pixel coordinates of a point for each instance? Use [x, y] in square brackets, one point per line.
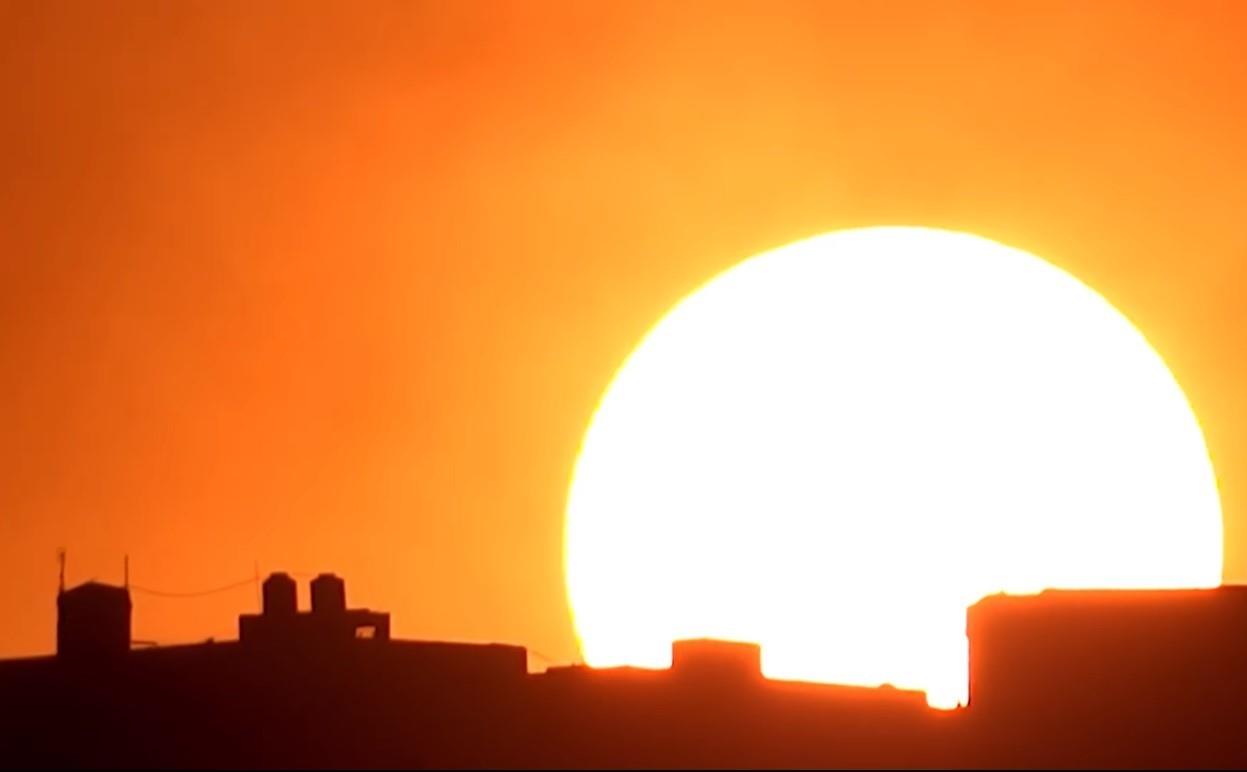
[60, 556]
[127, 572]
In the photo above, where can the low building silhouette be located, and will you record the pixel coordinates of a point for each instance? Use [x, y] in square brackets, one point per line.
[1066, 679]
[281, 625]
[1119, 678]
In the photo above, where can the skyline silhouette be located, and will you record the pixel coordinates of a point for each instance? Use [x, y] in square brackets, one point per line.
[1067, 679]
[338, 286]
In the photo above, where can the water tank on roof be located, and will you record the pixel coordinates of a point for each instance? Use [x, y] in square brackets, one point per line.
[280, 595]
[93, 621]
[328, 595]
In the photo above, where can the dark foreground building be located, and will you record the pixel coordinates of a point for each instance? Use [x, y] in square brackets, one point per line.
[1067, 679]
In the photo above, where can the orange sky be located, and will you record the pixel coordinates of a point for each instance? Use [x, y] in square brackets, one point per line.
[332, 287]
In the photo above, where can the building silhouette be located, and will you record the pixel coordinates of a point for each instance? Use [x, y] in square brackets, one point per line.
[93, 622]
[1159, 676]
[1063, 679]
[280, 624]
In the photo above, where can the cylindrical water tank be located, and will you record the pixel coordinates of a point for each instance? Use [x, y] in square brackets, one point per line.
[280, 595]
[328, 595]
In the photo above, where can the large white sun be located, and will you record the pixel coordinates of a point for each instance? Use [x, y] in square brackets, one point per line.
[834, 447]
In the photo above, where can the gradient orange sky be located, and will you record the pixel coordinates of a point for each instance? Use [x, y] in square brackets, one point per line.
[338, 286]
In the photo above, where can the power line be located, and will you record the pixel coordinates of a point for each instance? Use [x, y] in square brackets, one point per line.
[547, 659]
[196, 594]
[233, 586]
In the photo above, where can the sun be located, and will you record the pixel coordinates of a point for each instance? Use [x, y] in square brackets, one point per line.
[834, 447]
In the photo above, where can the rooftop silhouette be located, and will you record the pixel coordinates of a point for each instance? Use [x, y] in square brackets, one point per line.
[1066, 679]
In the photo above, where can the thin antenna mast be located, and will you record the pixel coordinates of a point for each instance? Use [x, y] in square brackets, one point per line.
[60, 556]
[127, 572]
